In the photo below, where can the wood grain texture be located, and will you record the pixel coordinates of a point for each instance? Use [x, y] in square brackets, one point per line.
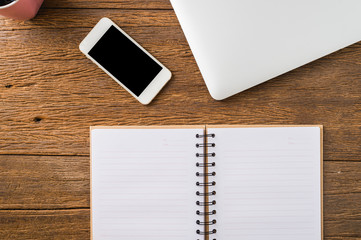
[50, 94]
[45, 224]
[43, 182]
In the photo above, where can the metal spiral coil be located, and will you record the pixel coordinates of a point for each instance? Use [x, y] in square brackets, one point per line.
[205, 194]
[212, 135]
[213, 193]
[206, 233]
[205, 174]
[206, 213]
[212, 164]
[214, 221]
[212, 203]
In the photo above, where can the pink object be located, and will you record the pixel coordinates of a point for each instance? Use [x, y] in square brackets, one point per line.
[21, 9]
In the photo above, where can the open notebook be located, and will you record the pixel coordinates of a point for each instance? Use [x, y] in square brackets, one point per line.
[206, 182]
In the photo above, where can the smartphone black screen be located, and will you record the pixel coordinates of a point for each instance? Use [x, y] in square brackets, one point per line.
[125, 61]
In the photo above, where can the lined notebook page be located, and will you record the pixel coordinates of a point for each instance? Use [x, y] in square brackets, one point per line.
[143, 184]
[268, 183]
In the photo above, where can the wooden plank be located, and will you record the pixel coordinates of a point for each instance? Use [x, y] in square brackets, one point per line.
[53, 182]
[28, 173]
[342, 229]
[44, 182]
[45, 224]
[69, 20]
[342, 178]
[74, 224]
[113, 4]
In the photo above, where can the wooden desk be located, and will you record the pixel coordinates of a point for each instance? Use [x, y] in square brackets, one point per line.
[50, 94]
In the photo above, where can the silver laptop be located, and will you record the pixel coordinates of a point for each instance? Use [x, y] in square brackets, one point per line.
[241, 43]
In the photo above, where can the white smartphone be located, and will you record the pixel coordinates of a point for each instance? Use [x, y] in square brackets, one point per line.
[123, 59]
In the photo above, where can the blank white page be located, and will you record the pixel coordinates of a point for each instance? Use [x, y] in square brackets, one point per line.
[143, 184]
[268, 183]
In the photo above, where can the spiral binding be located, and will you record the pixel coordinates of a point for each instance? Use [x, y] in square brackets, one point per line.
[204, 194]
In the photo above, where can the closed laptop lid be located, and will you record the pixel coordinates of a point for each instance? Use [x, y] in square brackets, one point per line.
[241, 43]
